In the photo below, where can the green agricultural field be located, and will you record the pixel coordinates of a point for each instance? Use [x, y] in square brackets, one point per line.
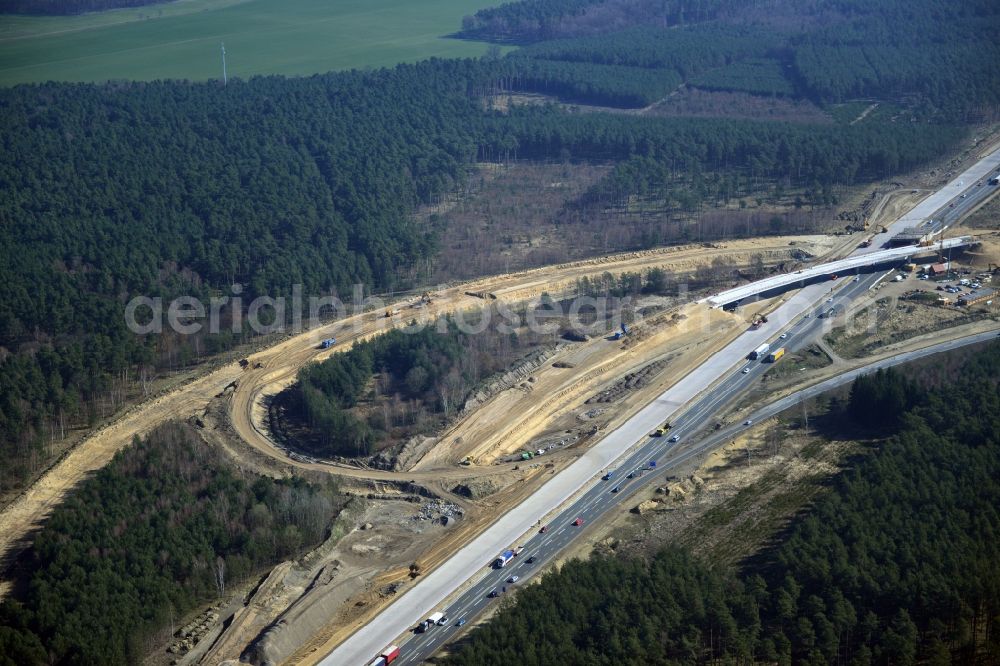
[181, 39]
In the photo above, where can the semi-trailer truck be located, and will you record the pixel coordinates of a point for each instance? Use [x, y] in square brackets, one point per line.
[388, 656]
[760, 351]
[504, 559]
[329, 342]
[775, 355]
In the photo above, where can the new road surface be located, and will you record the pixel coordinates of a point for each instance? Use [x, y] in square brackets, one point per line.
[617, 449]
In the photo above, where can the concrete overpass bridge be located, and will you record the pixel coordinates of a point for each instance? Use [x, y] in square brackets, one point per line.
[854, 264]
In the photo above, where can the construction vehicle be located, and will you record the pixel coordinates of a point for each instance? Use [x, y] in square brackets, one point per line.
[390, 312]
[775, 355]
[662, 429]
[622, 332]
[758, 352]
[758, 321]
[329, 342]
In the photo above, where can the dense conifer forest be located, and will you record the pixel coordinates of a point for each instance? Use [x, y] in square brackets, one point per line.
[827, 50]
[162, 529]
[175, 188]
[896, 564]
[414, 377]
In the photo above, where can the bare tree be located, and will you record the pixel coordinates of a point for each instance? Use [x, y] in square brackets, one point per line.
[220, 575]
[444, 394]
[774, 440]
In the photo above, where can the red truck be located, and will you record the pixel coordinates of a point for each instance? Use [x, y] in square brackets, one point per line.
[388, 656]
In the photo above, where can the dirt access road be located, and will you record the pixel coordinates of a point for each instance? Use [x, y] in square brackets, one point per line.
[280, 362]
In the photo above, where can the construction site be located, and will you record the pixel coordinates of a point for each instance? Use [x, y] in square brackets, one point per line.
[411, 511]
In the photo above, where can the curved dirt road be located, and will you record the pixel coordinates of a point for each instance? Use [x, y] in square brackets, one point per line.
[281, 361]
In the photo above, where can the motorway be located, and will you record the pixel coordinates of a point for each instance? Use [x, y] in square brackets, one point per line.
[973, 182]
[601, 497]
[629, 446]
[606, 495]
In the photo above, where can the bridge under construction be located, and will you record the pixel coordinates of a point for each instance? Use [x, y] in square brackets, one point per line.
[833, 269]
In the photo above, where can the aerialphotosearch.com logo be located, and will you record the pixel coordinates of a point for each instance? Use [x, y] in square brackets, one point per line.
[265, 315]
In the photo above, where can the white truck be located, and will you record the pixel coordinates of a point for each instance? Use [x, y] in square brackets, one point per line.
[759, 352]
[504, 559]
[432, 619]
